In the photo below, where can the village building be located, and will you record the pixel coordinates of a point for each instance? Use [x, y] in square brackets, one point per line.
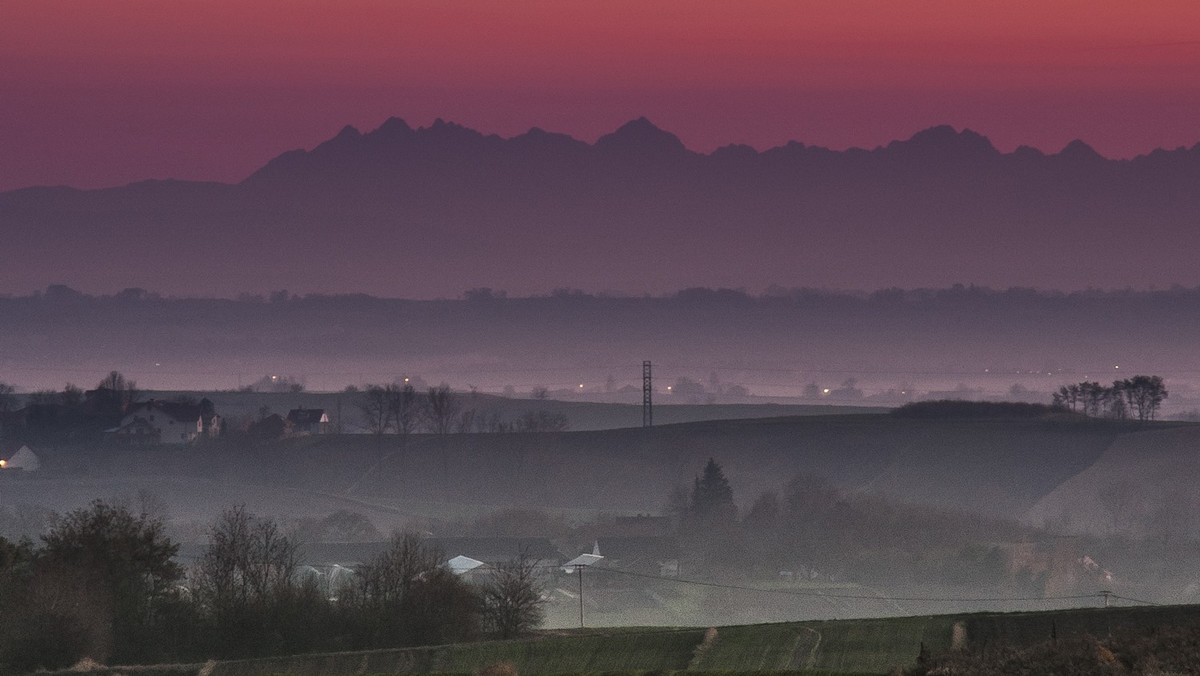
[167, 422]
[308, 421]
[22, 459]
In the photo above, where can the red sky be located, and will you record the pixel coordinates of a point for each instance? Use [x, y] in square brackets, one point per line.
[103, 93]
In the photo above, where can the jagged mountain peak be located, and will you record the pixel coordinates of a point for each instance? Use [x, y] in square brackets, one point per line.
[393, 126]
[945, 139]
[641, 135]
[348, 132]
[1078, 150]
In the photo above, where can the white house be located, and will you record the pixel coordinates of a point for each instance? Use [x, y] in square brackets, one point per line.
[23, 459]
[167, 422]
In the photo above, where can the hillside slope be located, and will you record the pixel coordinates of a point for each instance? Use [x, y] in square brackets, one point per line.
[999, 467]
[1144, 484]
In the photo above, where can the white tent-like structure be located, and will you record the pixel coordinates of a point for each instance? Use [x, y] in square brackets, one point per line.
[24, 459]
[581, 561]
[461, 565]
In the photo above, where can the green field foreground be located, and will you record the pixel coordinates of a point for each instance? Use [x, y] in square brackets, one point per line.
[869, 646]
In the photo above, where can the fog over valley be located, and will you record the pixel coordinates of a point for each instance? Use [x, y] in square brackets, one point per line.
[541, 338]
[792, 346]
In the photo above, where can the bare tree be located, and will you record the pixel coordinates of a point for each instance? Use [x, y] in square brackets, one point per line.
[1140, 395]
[441, 409]
[248, 560]
[247, 589]
[114, 394]
[406, 595]
[1067, 397]
[8, 400]
[513, 602]
[1093, 396]
[1144, 395]
[374, 403]
[404, 408]
[391, 575]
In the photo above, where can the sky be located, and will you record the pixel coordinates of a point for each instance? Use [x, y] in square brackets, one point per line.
[96, 94]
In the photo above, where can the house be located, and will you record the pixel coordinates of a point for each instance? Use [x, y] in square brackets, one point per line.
[167, 422]
[23, 460]
[308, 421]
[469, 569]
[494, 551]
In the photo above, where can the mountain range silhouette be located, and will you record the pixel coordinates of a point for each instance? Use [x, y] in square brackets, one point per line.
[431, 211]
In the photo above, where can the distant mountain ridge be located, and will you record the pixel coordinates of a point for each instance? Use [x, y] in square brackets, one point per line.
[431, 211]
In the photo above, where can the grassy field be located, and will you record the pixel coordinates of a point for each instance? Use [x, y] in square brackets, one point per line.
[582, 415]
[872, 646]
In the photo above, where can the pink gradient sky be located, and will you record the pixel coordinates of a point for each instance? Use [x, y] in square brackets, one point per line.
[103, 93]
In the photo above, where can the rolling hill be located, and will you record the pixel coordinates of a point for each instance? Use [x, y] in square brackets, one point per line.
[997, 467]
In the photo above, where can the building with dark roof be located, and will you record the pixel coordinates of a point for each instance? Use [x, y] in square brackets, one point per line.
[167, 422]
[308, 421]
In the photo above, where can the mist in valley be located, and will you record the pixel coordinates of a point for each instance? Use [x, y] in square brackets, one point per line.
[812, 513]
[798, 346]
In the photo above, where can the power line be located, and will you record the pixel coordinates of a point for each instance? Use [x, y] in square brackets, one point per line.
[814, 593]
[1133, 600]
[873, 597]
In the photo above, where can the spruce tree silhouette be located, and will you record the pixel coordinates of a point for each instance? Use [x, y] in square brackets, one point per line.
[712, 497]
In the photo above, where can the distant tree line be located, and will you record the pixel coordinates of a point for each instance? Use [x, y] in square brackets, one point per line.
[68, 414]
[1138, 397]
[103, 583]
[401, 409]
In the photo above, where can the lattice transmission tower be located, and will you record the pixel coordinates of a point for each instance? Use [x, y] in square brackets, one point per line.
[647, 396]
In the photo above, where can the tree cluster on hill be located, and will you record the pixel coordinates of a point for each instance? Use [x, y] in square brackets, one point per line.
[812, 530]
[1138, 397]
[400, 409]
[70, 414]
[103, 584]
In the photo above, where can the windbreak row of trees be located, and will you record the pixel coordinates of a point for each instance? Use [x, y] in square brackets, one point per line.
[401, 409]
[1138, 397]
[104, 584]
[812, 531]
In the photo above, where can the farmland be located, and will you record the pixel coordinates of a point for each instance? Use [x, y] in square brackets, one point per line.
[869, 646]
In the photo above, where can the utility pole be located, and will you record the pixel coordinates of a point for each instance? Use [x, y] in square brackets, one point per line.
[1106, 594]
[647, 396]
[579, 571]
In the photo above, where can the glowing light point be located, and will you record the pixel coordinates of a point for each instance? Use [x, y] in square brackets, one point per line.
[825, 391]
